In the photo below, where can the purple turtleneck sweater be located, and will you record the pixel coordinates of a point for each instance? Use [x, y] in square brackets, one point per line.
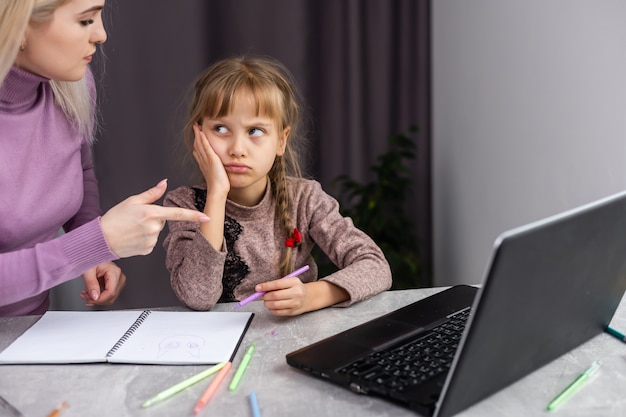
[47, 182]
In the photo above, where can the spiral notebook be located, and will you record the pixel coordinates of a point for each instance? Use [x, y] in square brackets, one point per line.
[130, 336]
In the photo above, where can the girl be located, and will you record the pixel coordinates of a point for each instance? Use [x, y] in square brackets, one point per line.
[243, 133]
[47, 179]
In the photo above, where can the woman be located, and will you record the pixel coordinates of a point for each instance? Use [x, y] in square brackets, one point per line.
[47, 180]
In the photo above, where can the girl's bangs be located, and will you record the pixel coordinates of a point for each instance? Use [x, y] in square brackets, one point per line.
[267, 99]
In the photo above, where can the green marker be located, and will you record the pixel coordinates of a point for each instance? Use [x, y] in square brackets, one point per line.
[242, 367]
[165, 394]
[615, 333]
[571, 388]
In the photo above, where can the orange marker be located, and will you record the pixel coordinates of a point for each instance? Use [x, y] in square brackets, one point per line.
[212, 388]
[57, 411]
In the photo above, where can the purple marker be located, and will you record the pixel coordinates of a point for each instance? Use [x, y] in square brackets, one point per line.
[259, 294]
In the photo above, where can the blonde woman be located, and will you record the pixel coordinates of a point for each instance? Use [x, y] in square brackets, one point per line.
[47, 179]
[243, 131]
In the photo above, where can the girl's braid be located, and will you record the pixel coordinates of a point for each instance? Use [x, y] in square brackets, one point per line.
[278, 177]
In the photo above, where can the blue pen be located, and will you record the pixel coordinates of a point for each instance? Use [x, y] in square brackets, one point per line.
[256, 412]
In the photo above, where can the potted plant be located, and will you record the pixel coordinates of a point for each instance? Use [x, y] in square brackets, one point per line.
[378, 208]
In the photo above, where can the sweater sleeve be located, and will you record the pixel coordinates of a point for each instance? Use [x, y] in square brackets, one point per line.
[28, 272]
[363, 268]
[195, 267]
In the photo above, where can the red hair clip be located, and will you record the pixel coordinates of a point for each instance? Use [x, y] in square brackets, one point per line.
[295, 239]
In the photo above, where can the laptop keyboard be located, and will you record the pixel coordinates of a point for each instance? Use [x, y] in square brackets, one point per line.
[403, 366]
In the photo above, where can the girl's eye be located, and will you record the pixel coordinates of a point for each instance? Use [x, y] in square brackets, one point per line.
[221, 129]
[87, 22]
[255, 132]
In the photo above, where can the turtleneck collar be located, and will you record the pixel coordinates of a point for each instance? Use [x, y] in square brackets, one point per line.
[20, 90]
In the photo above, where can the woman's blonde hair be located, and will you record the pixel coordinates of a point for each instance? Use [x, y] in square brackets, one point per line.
[275, 94]
[73, 97]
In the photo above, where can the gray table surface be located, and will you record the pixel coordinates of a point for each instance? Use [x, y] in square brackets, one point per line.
[119, 390]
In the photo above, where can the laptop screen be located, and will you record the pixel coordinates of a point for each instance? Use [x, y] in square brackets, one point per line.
[551, 286]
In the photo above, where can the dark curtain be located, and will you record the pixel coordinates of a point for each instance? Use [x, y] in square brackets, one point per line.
[362, 67]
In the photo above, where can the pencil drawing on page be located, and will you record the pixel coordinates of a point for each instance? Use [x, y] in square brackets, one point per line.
[181, 345]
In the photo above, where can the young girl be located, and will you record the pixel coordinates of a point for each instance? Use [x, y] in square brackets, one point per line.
[265, 219]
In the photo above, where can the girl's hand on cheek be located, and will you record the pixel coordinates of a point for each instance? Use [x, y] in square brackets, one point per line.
[209, 163]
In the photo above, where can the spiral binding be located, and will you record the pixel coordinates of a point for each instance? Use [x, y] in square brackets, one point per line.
[142, 317]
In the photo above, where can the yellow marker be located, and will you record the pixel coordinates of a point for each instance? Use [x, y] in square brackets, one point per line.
[183, 384]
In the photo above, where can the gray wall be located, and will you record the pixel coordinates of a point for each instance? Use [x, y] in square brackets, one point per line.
[529, 118]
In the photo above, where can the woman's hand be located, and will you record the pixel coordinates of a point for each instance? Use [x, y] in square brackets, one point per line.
[132, 227]
[103, 284]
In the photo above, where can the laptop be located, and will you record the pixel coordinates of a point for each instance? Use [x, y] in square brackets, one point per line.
[550, 286]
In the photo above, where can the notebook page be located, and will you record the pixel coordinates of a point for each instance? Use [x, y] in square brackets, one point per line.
[70, 337]
[184, 337]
